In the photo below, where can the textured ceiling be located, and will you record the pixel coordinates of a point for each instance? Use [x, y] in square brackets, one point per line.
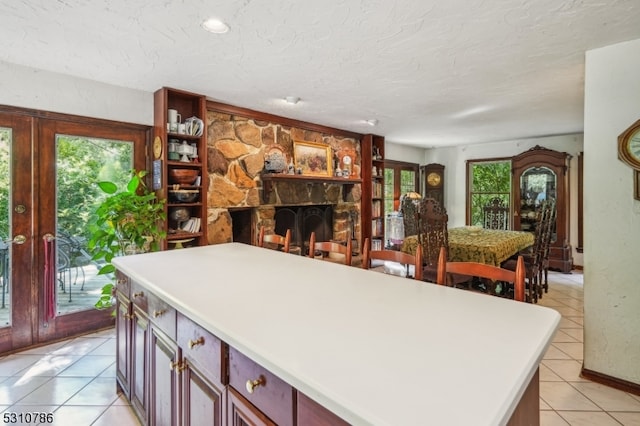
[433, 73]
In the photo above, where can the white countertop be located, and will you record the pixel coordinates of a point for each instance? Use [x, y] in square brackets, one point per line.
[373, 348]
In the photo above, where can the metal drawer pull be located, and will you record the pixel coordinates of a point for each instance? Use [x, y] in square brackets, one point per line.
[252, 384]
[139, 294]
[177, 365]
[161, 312]
[121, 281]
[198, 341]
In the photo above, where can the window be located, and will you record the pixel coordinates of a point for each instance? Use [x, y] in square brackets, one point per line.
[487, 179]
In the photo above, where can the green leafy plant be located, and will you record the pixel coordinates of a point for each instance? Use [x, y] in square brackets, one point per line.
[127, 222]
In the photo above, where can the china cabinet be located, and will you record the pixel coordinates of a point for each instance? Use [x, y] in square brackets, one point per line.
[542, 174]
[372, 152]
[179, 165]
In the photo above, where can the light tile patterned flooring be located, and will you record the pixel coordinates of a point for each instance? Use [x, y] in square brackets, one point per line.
[75, 379]
[565, 397]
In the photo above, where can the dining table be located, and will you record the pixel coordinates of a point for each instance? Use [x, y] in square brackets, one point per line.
[489, 246]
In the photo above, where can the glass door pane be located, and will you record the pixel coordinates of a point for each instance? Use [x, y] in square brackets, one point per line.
[81, 162]
[5, 226]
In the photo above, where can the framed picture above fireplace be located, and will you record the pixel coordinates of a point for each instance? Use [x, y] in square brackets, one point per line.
[312, 159]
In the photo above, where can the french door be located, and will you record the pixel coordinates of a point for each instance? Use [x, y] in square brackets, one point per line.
[49, 166]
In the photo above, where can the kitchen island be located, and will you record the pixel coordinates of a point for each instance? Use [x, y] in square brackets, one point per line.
[283, 333]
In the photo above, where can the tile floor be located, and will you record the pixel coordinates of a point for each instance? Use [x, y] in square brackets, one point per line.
[75, 379]
[566, 398]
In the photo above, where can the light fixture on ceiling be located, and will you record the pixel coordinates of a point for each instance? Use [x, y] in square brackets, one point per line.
[372, 122]
[214, 25]
[292, 100]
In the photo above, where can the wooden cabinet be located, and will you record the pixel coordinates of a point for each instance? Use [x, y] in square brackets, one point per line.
[262, 389]
[170, 369]
[164, 368]
[372, 151]
[434, 182]
[543, 174]
[240, 412]
[310, 412]
[180, 147]
[123, 333]
[139, 346]
[203, 373]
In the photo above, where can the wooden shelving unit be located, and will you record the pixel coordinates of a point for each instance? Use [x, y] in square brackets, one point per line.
[372, 151]
[188, 105]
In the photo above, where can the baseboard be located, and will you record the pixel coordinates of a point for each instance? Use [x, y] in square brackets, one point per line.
[613, 382]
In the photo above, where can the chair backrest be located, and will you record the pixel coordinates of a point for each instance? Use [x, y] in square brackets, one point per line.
[542, 232]
[496, 214]
[433, 233]
[393, 256]
[483, 270]
[409, 209]
[330, 247]
[275, 240]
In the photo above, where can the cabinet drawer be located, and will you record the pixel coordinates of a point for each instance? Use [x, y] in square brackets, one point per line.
[123, 284]
[310, 412]
[264, 390]
[162, 315]
[139, 297]
[201, 347]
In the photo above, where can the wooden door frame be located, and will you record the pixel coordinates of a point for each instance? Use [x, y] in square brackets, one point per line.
[43, 125]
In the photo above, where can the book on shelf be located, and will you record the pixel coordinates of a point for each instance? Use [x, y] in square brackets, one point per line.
[376, 244]
[376, 208]
[376, 227]
[376, 189]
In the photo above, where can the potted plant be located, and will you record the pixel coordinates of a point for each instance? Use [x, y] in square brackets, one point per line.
[127, 222]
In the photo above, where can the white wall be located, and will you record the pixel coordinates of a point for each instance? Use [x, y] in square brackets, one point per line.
[406, 153]
[454, 159]
[37, 89]
[612, 216]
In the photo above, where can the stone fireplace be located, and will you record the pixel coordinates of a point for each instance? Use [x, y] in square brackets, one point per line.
[237, 199]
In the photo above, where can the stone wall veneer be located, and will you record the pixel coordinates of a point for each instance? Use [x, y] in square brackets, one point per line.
[236, 147]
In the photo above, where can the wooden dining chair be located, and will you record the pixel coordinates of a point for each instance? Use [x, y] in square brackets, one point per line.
[329, 247]
[274, 240]
[433, 234]
[405, 259]
[496, 214]
[534, 257]
[482, 270]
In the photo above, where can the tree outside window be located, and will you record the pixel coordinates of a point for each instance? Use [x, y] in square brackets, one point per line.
[487, 180]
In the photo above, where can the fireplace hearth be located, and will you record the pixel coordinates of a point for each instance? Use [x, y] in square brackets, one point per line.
[303, 220]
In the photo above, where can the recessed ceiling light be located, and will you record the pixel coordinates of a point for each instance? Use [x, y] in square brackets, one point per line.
[292, 99]
[372, 122]
[215, 26]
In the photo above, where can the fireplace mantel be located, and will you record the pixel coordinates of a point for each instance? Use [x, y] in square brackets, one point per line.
[269, 178]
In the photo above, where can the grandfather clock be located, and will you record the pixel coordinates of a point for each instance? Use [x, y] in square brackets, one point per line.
[434, 181]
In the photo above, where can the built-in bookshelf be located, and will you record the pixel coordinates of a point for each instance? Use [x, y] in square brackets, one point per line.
[372, 151]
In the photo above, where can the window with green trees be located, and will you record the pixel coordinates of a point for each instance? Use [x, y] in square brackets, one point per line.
[487, 180]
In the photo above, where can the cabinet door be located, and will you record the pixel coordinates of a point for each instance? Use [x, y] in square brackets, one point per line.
[240, 412]
[163, 384]
[123, 340]
[139, 342]
[201, 401]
